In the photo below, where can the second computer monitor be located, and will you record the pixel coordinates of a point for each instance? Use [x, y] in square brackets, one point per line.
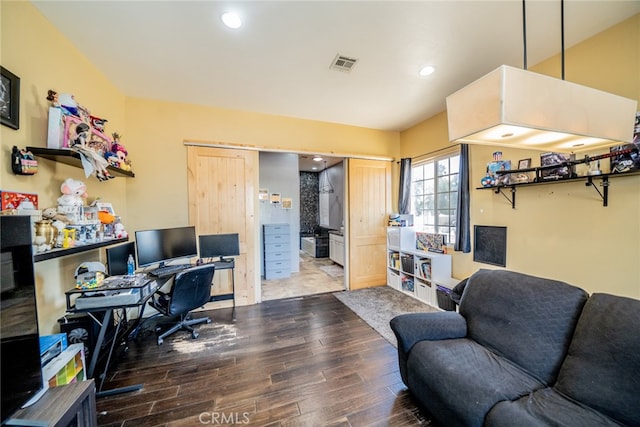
[117, 257]
[219, 245]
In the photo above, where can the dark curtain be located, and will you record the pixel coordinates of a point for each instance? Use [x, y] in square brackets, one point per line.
[463, 233]
[404, 197]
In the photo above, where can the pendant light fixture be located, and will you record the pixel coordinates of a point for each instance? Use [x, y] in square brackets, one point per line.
[325, 186]
[518, 108]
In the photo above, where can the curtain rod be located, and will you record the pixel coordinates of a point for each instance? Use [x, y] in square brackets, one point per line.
[430, 153]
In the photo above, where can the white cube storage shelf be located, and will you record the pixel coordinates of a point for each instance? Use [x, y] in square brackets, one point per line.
[413, 271]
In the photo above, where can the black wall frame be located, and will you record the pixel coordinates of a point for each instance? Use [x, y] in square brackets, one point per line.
[490, 245]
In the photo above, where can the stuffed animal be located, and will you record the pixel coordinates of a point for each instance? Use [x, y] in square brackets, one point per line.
[54, 215]
[119, 231]
[70, 203]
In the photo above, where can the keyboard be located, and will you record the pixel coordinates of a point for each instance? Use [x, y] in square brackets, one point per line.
[168, 270]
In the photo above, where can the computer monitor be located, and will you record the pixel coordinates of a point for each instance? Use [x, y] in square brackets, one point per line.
[117, 257]
[164, 245]
[219, 245]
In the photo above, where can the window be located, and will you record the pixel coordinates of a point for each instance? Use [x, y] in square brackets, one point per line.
[434, 195]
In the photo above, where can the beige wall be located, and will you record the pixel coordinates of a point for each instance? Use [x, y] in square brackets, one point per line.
[562, 231]
[153, 131]
[33, 50]
[158, 130]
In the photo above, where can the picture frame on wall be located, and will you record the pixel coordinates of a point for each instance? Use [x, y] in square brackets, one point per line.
[524, 163]
[9, 99]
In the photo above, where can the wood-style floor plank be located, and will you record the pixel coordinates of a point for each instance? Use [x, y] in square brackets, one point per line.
[306, 361]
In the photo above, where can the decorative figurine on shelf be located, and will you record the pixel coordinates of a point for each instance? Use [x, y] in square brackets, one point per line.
[98, 123]
[118, 154]
[94, 157]
[52, 96]
[70, 203]
[488, 181]
[54, 215]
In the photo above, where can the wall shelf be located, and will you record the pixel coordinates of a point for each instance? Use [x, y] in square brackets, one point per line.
[72, 158]
[588, 181]
[57, 253]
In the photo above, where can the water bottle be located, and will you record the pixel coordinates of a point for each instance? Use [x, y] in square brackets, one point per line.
[130, 265]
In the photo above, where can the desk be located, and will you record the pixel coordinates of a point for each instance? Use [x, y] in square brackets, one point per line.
[227, 264]
[135, 295]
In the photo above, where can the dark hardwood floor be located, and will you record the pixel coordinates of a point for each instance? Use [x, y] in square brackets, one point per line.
[308, 361]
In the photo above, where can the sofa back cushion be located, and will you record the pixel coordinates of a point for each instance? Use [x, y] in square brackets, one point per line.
[527, 319]
[602, 367]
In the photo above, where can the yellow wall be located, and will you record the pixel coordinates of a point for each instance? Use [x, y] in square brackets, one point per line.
[158, 130]
[154, 133]
[43, 59]
[562, 231]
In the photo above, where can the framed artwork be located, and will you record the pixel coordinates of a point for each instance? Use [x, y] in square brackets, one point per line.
[524, 163]
[9, 99]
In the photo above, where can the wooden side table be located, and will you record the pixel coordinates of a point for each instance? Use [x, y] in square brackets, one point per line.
[68, 405]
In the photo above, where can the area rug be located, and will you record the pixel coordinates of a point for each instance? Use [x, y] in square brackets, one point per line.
[333, 270]
[377, 306]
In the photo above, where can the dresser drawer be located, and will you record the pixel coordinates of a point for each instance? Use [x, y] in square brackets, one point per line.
[276, 229]
[278, 264]
[276, 255]
[277, 247]
[277, 274]
[276, 238]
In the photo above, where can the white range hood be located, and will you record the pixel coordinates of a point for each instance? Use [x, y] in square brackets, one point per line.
[518, 108]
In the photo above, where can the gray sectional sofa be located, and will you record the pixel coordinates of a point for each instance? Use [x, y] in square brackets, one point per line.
[524, 351]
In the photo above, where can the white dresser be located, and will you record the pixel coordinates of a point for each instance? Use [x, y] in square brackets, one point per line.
[277, 258]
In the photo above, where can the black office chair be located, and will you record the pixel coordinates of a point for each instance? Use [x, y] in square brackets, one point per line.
[191, 289]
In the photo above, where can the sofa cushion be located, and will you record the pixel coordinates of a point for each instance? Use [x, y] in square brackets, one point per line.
[602, 367]
[458, 380]
[546, 407]
[411, 328]
[527, 319]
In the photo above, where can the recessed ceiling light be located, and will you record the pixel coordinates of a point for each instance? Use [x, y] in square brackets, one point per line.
[426, 71]
[317, 159]
[231, 20]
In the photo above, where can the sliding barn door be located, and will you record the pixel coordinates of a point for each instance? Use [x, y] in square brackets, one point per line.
[369, 207]
[223, 187]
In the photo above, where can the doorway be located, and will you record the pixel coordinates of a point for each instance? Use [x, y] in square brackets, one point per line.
[312, 270]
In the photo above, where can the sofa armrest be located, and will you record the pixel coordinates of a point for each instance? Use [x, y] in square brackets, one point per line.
[414, 327]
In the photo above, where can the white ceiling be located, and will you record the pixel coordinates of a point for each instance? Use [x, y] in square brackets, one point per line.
[278, 61]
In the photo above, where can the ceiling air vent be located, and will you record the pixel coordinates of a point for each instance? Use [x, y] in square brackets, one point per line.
[343, 63]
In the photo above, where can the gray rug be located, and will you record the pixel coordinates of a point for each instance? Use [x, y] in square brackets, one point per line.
[377, 306]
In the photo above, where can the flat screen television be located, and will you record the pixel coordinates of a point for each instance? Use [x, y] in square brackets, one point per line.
[219, 245]
[164, 245]
[21, 375]
[117, 257]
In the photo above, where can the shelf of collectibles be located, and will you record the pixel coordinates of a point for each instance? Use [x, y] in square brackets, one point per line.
[77, 138]
[73, 226]
[414, 271]
[555, 168]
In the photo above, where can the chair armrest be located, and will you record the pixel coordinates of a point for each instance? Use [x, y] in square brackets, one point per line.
[414, 327]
